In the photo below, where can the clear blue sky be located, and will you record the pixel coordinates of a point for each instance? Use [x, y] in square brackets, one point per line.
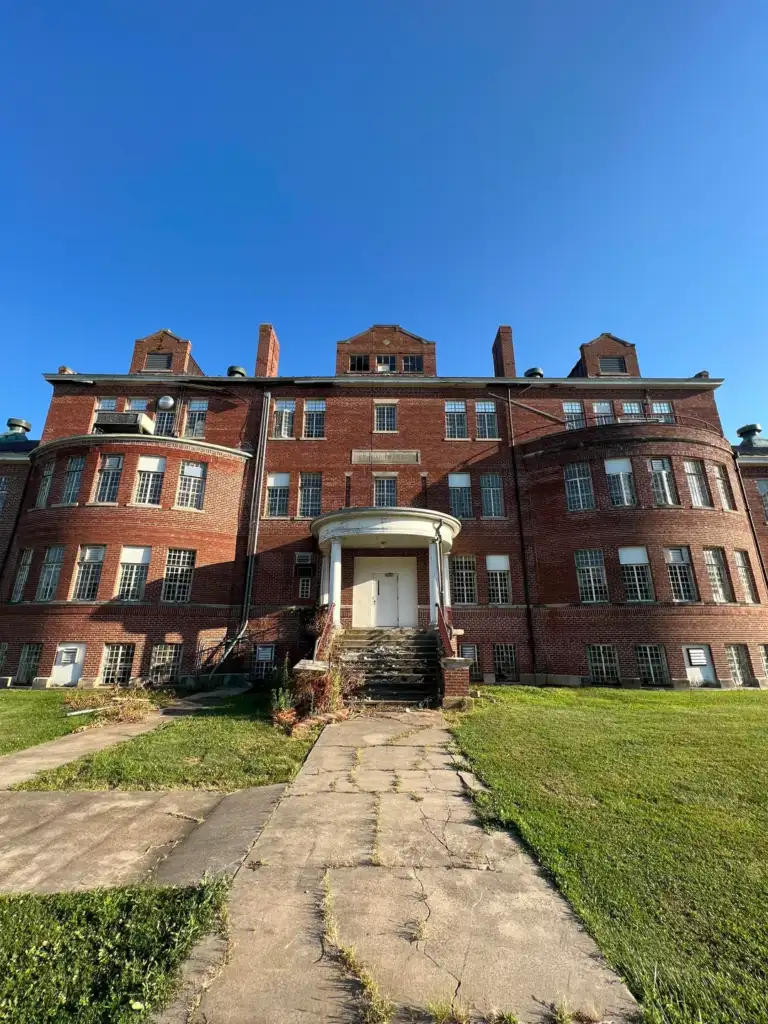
[565, 167]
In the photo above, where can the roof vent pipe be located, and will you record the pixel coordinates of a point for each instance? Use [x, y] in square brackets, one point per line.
[702, 373]
[748, 434]
[535, 371]
[236, 371]
[18, 426]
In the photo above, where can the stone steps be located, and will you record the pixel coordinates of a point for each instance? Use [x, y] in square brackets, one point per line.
[398, 666]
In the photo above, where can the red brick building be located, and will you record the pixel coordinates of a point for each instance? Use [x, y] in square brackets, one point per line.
[596, 527]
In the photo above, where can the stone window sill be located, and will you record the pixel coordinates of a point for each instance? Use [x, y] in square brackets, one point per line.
[185, 508]
[281, 437]
[386, 431]
[313, 439]
[478, 438]
[102, 504]
[493, 519]
[457, 438]
[142, 504]
[64, 504]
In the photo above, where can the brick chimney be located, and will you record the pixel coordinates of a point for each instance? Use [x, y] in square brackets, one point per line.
[503, 353]
[268, 352]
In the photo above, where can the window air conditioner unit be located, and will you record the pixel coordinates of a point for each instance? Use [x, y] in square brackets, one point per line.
[123, 423]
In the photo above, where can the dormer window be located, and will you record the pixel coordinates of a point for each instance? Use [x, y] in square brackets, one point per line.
[385, 364]
[613, 364]
[359, 364]
[413, 364]
[158, 361]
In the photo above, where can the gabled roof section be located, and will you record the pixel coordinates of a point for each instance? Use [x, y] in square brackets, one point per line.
[178, 349]
[612, 337]
[396, 328]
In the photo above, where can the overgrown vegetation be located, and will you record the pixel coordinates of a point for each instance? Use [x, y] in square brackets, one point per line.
[108, 956]
[448, 1011]
[650, 810]
[29, 717]
[299, 695]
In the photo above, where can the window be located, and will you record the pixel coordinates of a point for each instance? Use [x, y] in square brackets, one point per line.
[28, 663]
[359, 364]
[158, 361]
[491, 495]
[499, 584]
[285, 414]
[631, 411]
[310, 494]
[22, 571]
[463, 579]
[314, 417]
[762, 490]
[45, 485]
[652, 665]
[149, 480]
[106, 404]
[177, 583]
[165, 663]
[574, 415]
[305, 587]
[385, 364]
[714, 559]
[263, 660]
[197, 410]
[638, 584]
[621, 482]
[723, 486]
[613, 364]
[50, 572]
[117, 664]
[384, 491]
[662, 412]
[763, 655]
[277, 494]
[680, 574]
[137, 404]
[134, 566]
[603, 413]
[413, 364]
[3, 653]
[602, 663]
[504, 663]
[747, 577]
[469, 651]
[487, 425]
[73, 478]
[108, 478]
[662, 482]
[165, 422]
[89, 565]
[590, 572]
[456, 420]
[460, 493]
[386, 418]
[3, 491]
[191, 485]
[579, 494]
[697, 483]
[739, 663]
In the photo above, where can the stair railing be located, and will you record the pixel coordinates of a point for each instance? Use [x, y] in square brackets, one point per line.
[323, 642]
[445, 634]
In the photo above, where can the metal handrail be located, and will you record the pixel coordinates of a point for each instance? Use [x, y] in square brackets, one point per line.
[444, 633]
[324, 636]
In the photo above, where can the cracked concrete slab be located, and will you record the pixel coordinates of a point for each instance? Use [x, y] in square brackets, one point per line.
[318, 830]
[328, 759]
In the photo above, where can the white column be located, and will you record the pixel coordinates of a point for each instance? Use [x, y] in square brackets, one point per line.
[434, 581]
[325, 573]
[335, 581]
[446, 582]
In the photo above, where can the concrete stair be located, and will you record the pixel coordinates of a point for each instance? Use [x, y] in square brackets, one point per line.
[398, 666]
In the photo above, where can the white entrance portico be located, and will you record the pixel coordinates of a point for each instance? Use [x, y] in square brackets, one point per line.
[385, 587]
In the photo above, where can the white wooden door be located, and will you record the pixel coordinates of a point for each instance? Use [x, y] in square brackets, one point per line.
[698, 665]
[385, 597]
[68, 665]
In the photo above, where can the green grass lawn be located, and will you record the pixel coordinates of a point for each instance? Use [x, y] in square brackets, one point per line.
[225, 748]
[650, 810]
[102, 957]
[33, 716]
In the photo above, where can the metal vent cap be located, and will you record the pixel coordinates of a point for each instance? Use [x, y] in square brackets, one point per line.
[535, 371]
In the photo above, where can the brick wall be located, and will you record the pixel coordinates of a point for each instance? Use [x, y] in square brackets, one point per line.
[16, 473]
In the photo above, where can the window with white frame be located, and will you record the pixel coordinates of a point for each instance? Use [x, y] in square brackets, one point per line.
[697, 483]
[413, 364]
[385, 417]
[305, 587]
[165, 422]
[137, 404]
[505, 663]
[359, 364]
[90, 562]
[22, 572]
[574, 415]
[499, 582]
[763, 655]
[3, 491]
[717, 570]
[602, 663]
[263, 660]
[191, 492]
[106, 405]
[487, 422]
[747, 577]
[277, 494]
[652, 665]
[28, 663]
[197, 410]
[285, 415]
[314, 417]
[134, 566]
[762, 490]
[662, 412]
[460, 494]
[73, 478]
[310, 494]
[117, 663]
[469, 651]
[612, 364]
[739, 663]
[680, 573]
[590, 573]
[662, 482]
[463, 574]
[492, 495]
[49, 573]
[603, 413]
[384, 491]
[386, 364]
[631, 411]
[723, 486]
[621, 482]
[165, 663]
[158, 361]
[44, 489]
[456, 420]
[177, 582]
[636, 572]
[149, 480]
[108, 478]
[579, 493]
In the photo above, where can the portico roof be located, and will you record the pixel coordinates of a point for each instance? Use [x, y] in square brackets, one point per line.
[385, 528]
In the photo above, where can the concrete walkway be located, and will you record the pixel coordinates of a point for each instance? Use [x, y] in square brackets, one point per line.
[436, 908]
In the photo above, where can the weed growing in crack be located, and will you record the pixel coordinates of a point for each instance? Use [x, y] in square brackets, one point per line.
[502, 1017]
[449, 1012]
[356, 762]
[417, 930]
[376, 859]
[560, 1014]
[416, 797]
[397, 784]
